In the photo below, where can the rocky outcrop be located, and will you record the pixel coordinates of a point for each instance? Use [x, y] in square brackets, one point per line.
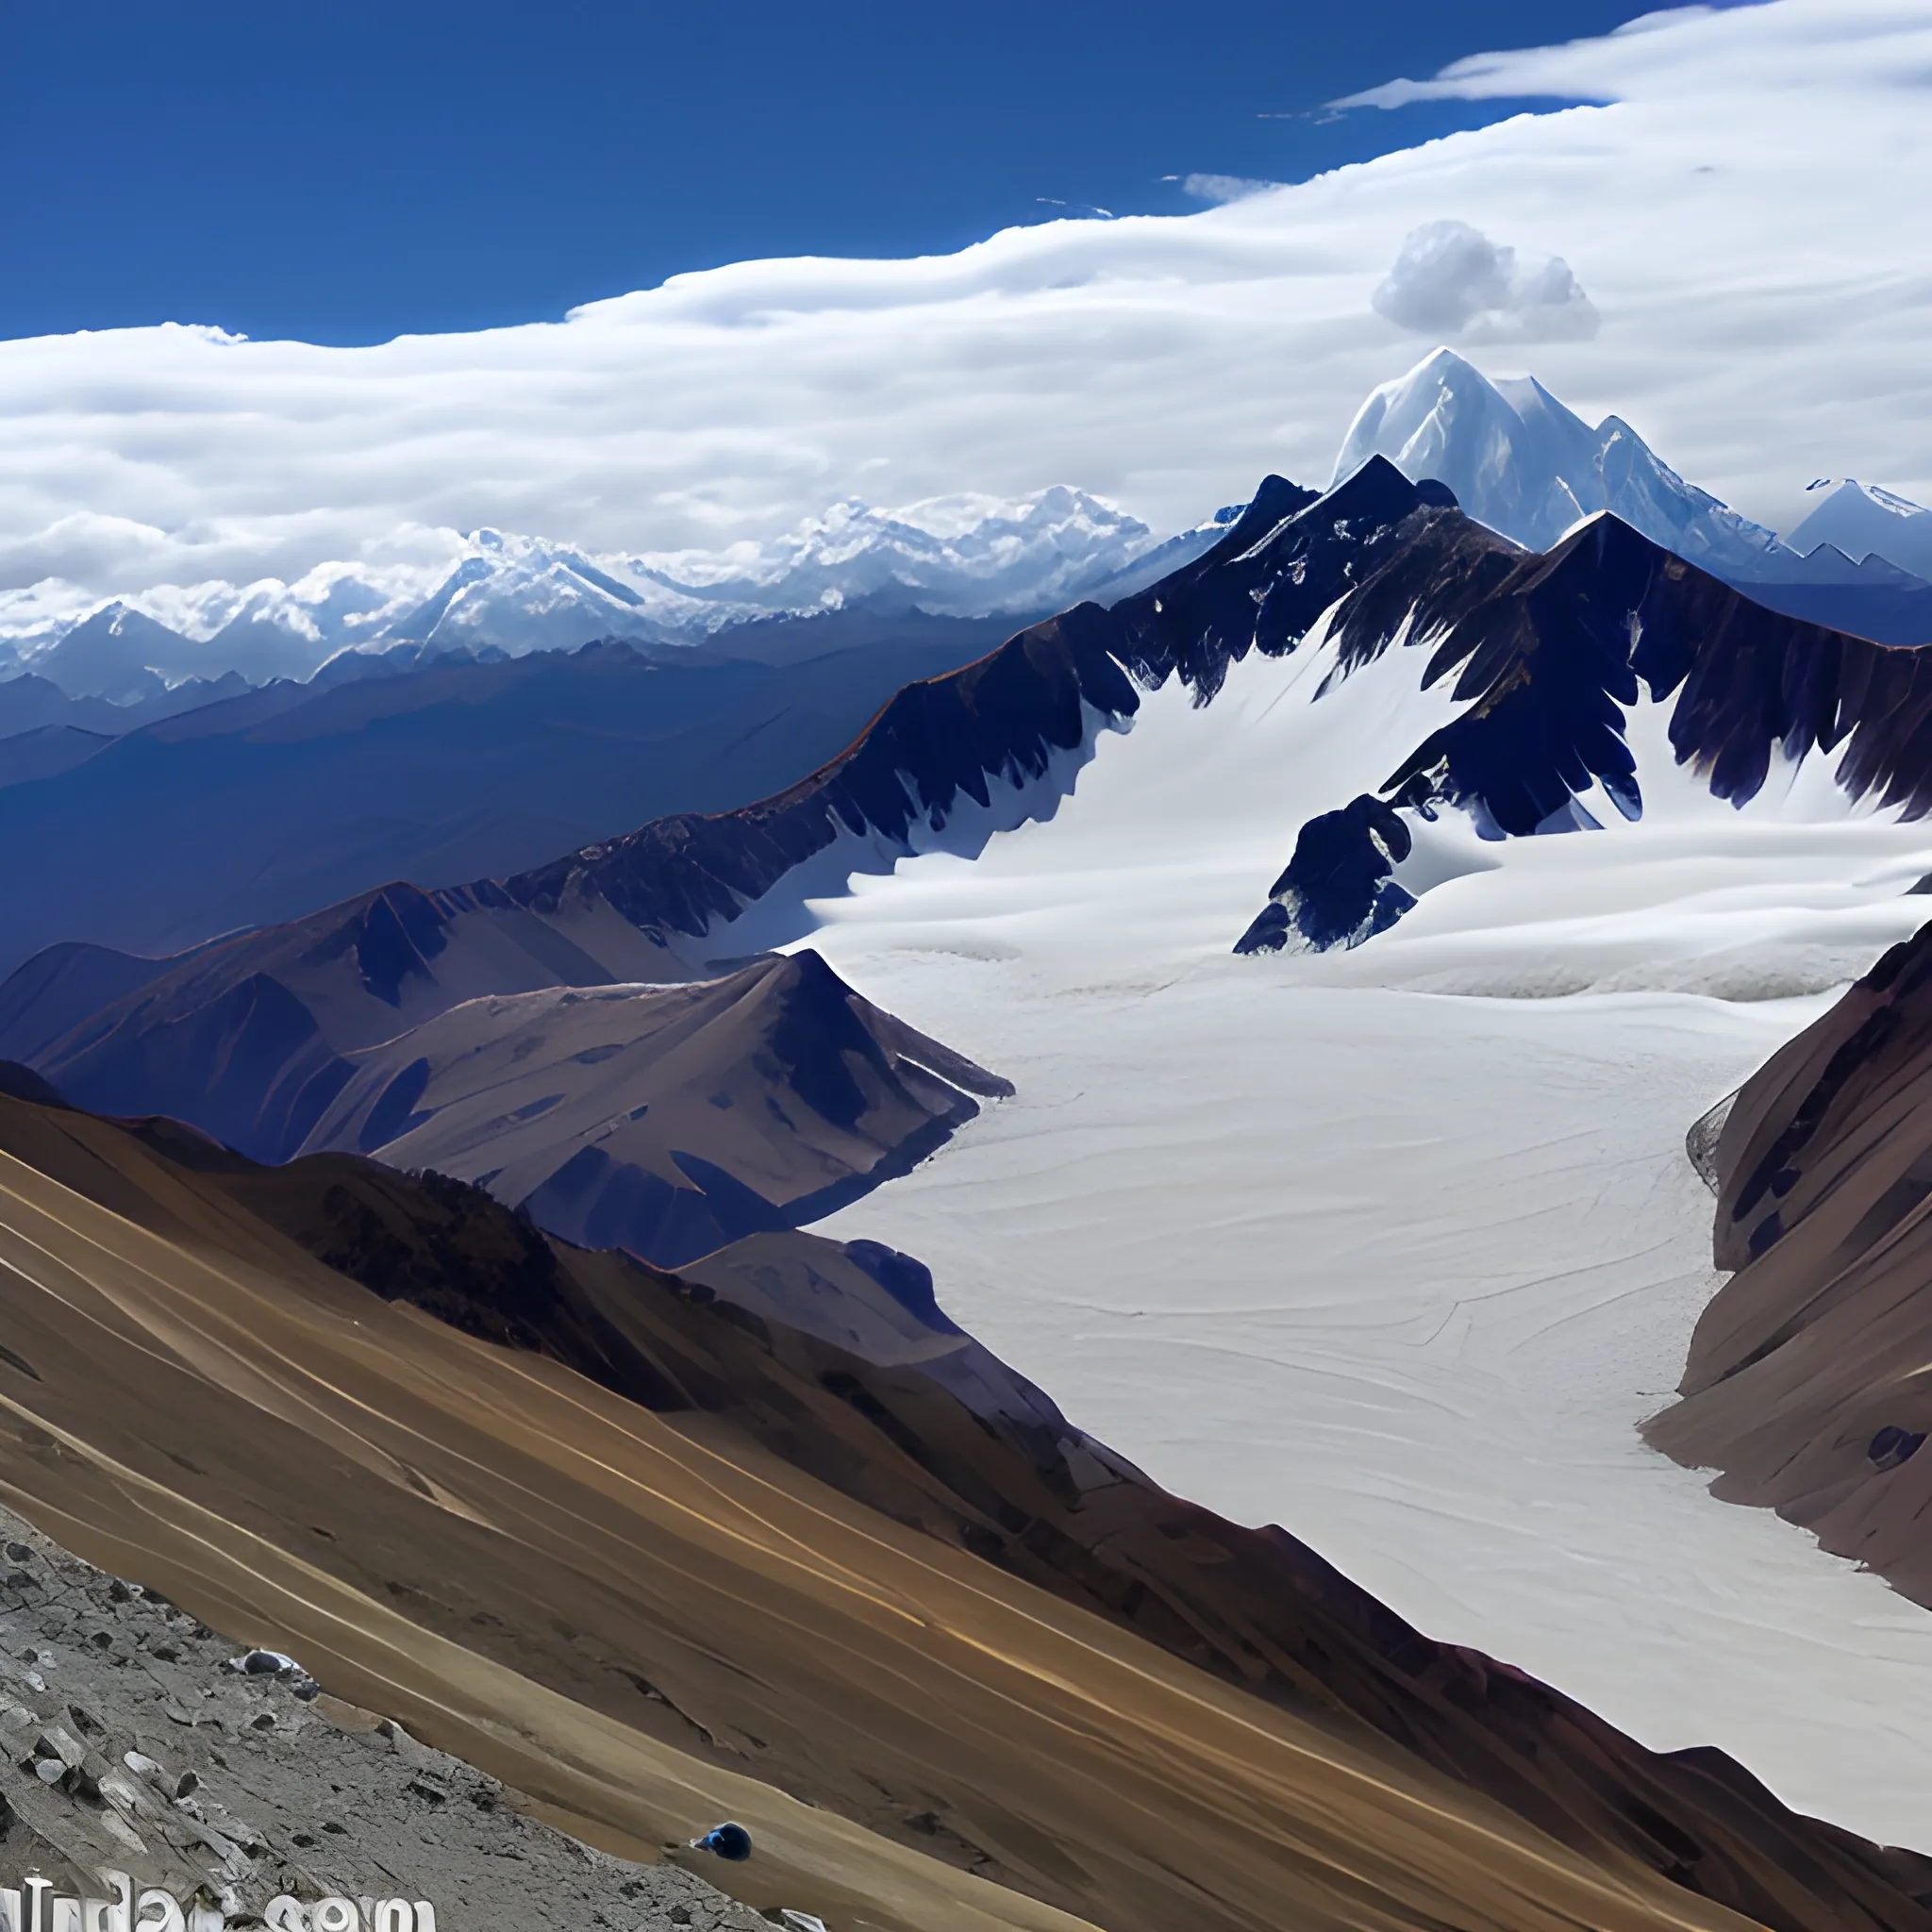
[1338, 890]
[1804, 1383]
[1549, 653]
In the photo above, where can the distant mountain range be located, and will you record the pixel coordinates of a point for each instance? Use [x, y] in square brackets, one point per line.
[964, 558]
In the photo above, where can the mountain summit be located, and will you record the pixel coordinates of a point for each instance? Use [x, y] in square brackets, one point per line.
[1522, 462]
[1863, 520]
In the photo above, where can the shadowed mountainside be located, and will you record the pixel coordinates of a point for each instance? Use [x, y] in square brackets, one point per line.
[668, 1120]
[438, 772]
[1805, 1382]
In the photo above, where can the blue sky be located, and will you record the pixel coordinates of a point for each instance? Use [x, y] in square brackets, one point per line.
[342, 171]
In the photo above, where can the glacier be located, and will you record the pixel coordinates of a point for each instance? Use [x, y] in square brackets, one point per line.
[1397, 1246]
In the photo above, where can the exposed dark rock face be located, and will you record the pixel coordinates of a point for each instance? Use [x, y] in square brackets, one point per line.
[837, 1361]
[1803, 1383]
[1337, 890]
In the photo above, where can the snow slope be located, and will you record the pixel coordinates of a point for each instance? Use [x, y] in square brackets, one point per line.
[1401, 1269]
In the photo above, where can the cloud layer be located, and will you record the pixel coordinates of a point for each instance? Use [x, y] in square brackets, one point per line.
[1763, 312]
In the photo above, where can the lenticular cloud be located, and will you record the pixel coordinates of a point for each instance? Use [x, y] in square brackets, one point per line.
[1450, 280]
[1716, 201]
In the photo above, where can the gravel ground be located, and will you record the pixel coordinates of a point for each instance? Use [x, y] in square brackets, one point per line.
[126, 1742]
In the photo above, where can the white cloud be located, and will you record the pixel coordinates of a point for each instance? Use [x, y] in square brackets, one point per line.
[1587, 69]
[1452, 281]
[1222, 188]
[1734, 211]
[1076, 209]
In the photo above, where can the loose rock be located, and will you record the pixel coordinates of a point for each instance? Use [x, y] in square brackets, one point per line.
[139, 1768]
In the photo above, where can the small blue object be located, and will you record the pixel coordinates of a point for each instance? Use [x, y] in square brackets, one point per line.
[730, 1842]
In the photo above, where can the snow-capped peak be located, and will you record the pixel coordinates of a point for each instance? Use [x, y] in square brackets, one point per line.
[1861, 520]
[1522, 462]
[963, 556]
[1515, 456]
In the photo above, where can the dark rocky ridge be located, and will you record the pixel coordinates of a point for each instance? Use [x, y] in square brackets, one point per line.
[1802, 1384]
[838, 1361]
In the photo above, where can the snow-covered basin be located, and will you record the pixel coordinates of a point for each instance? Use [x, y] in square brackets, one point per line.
[1403, 1270]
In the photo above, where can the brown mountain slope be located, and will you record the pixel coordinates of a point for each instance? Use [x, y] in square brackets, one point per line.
[667, 1119]
[1805, 1382]
[632, 1613]
[838, 1360]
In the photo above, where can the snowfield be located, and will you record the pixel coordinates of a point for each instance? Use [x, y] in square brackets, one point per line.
[1374, 1246]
